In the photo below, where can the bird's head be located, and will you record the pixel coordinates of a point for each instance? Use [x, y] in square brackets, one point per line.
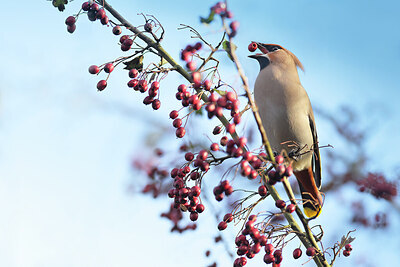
[273, 54]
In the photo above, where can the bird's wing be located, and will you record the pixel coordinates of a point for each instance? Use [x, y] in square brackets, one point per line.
[316, 159]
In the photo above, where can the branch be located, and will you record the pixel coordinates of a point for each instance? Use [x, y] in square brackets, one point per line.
[157, 46]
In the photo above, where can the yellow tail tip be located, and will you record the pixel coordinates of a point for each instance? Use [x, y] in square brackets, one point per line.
[310, 213]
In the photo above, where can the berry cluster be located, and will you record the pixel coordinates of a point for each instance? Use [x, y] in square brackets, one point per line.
[94, 12]
[223, 187]
[347, 249]
[220, 9]
[70, 22]
[280, 171]
[188, 198]
[187, 55]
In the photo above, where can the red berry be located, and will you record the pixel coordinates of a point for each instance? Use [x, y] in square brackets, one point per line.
[217, 130]
[109, 67]
[252, 47]
[280, 204]
[155, 85]
[101, 13]
[297, 253]
[289, 171]
[148, 27]
[156, 104]
[291, 208]
[133, 83]
[198, 46]
[148, 100]
[279, 159]
[223, 141]
[346, 253]
[180, 132]
[234, 25]
[117, 30]
[85, 6]
[310, 251]
[104, 20]
[237, 119]
[262, 190]
[70, 21]
[196, 76]
[191, 65]
[222, 226]
[263, 240]
[189, 156]
[214, 147]
[207, 85]
[101, 85]
[195, 191]
[71, 28]
[94, 69]
[200, 208]
[269, 248]
[228, 217]
[213, 98]
[269, 258]
[133, 73]
[230, 128]
[194, 216]
[203, 154]
[348, 247]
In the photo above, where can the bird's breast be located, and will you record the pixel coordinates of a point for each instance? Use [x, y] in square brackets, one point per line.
[284, 110]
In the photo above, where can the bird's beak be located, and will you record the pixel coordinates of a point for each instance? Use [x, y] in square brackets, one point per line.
[254, 56]
[262, 47]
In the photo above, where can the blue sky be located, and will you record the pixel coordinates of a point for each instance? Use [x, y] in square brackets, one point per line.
[65, 149]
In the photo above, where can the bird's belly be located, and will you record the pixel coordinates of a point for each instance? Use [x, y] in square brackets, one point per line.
[288, 129]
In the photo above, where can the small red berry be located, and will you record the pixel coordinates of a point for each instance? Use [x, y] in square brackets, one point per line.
[234, 25]
[207, 85]
[117, 30]
[310, 251]
[156, 104]
[85, 6]
[214, 147]
[269, 258]
[290, 208]
[174, 114]
[348, 247]
[252, 47]
[269, 248]
[198, 46]
[148, 27]
[297, 253]
[346, 253]
[222, 226]
[133, 73]
[279, 159]
[196, 76]
[191, 65]
[280, 204]
[180, 132]
[194, 216]
[133, 83]
[262, 190]
[109, 67]
[177, 123]
[94, 69]
[71, 28]
[101, 85]
[200, 208]
[230, 128]
[70, 21]
[228, 217]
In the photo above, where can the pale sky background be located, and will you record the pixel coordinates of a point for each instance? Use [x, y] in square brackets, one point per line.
[65, 149]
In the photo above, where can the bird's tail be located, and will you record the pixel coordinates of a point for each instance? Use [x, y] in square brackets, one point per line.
[312, 199]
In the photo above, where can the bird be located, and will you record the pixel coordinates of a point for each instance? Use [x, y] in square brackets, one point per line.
[288, 119]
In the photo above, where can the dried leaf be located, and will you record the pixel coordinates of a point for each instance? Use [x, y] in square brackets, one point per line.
[136, 63]
[60, 4]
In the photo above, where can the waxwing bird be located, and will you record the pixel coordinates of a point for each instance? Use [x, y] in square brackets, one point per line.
[288, 119]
